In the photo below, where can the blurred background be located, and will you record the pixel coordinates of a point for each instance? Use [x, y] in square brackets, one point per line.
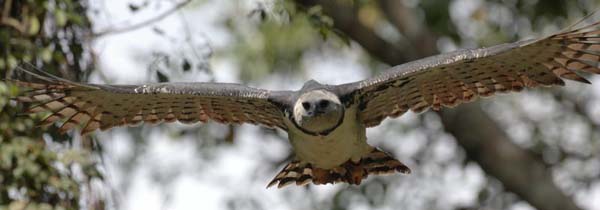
[535, 150]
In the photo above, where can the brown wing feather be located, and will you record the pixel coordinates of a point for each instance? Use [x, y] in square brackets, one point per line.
[105, 106]
[450, 79]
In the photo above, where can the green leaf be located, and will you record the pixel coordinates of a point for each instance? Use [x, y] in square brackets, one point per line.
[315, 10]
[34, 25]
[60, 17]
[76, 19]
[46, 54]
[323, 32]
[12, 62]
[326, 20]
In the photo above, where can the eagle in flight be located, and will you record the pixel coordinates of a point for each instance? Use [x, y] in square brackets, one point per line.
[326, 124]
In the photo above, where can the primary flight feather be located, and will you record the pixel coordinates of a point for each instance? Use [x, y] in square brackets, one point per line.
[326, 124]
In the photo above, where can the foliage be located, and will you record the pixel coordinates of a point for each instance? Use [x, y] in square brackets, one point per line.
[279, 37]
[39, 171]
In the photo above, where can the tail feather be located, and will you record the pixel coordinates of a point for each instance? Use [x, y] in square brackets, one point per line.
[296, 171]
[379, 162]
[301, 173]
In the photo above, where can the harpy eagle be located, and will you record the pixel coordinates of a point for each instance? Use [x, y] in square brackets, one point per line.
[326, 124]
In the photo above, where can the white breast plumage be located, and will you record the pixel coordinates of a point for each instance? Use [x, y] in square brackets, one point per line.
[348, 141]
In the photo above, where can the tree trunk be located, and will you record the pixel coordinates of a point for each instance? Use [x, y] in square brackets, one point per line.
[488, 145]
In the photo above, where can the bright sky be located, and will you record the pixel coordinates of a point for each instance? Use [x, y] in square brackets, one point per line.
[236, 170]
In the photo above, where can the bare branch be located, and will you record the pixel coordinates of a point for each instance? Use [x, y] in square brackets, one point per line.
[165, 14]
[6, 20]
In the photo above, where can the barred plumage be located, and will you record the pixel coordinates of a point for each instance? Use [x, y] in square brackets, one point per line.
[105, 106]
[450, 79]
[376, 162]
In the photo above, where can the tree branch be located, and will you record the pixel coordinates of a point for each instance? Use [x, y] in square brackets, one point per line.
[143, 23]
[518, 170]
[422, 41]
[6, 20]
[346, 19]
[483, 140]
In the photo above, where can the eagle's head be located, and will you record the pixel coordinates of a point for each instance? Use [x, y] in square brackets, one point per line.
[318, 111]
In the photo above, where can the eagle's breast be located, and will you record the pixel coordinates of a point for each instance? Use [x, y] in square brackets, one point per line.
[347, 141]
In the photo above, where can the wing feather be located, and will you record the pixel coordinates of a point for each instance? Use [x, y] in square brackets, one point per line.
[453, 78]
[106, 106]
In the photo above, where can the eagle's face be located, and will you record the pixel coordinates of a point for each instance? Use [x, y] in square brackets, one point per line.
[318, 111]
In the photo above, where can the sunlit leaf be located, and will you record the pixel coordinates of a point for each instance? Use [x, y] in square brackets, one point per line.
[46, 54]
[34, 25]
[60, 17]
[12, 62]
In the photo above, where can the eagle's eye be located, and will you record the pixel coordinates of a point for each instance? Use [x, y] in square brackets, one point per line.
[306, 105]
[323, 103]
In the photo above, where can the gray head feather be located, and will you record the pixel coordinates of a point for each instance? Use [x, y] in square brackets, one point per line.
[318, 110]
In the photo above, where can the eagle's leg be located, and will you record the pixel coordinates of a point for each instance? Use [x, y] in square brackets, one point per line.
[376, 162]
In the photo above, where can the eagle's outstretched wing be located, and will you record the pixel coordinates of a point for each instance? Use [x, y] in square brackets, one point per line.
[105, 106]
[461, 76]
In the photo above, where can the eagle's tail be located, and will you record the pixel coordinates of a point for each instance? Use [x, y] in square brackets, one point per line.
[376, 162]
